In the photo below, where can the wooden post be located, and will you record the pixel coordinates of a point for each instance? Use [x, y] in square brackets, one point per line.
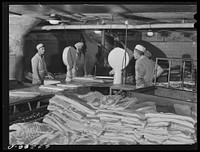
[29, 105]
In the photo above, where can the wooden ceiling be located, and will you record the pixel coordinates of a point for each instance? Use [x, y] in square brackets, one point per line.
[93, 14]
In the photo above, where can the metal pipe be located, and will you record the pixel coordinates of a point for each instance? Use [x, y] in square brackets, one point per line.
[155, 72]
[170, 64]
[183, 73]
[124, 80]
[114, 26]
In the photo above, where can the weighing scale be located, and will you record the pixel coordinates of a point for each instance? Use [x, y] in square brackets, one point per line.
[118, 59]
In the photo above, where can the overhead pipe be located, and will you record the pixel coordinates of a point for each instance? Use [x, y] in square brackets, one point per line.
[114, 26]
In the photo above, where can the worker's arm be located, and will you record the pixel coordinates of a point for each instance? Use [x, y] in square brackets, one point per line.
[48, 74]
[139, 74]
[159, 70]
[84, 66]
[112, 72]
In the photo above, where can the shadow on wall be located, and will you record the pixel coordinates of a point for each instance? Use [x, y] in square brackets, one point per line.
[102, 66]
[186, 56]
[55, 60]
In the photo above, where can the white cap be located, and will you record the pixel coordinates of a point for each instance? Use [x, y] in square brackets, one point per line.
[140, 48]
[39, 46]
[79, 44]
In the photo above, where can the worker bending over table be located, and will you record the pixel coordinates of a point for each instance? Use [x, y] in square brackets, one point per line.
[74, 60]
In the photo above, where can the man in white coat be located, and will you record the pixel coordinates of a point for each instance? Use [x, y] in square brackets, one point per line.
[38, 64]
[74, 59]
[144, 68]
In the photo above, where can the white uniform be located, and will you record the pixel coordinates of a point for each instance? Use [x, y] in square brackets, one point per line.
[75, 63]
[144, 69]
[39, 69]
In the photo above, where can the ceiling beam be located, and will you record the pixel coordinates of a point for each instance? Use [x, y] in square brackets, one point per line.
[70, 15]
[114, 26]
[164, 15]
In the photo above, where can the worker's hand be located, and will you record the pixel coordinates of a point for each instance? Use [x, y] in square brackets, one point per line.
[111, 72]
[49, 76]
[89, 75]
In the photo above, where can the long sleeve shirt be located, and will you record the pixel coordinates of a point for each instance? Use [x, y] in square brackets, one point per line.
[144, 72]
[39, 69]
[80, 64]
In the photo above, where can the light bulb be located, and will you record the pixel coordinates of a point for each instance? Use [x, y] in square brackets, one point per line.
[97, 32]
[150, 33]
[126, 22]
[54, 21]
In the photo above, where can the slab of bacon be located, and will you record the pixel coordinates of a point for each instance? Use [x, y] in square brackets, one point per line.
[23, 94]
[51, 88]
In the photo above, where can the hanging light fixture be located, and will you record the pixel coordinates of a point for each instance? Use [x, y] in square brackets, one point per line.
[97, 32]
[150, 32]
[53, 19]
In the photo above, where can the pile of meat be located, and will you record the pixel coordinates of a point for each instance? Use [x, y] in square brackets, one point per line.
[51, 88]
[105, 120]
[20, 95]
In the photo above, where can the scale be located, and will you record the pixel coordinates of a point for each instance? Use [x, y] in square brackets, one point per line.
[69, 58]
[118, 59]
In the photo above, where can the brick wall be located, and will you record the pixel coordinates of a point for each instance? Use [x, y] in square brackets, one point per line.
[178, 49]
[175, 44]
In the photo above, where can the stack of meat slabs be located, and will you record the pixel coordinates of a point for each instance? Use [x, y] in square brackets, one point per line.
[91, 96]
[51, 88]
[69, 113]
[87, 79]
[69, 86]
[119, 126]
[168, 128]
[83, 124]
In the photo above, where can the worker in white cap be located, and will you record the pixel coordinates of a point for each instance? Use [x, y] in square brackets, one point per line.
[39, 70]
[80, 64]
[144, 68]
[75, 62]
